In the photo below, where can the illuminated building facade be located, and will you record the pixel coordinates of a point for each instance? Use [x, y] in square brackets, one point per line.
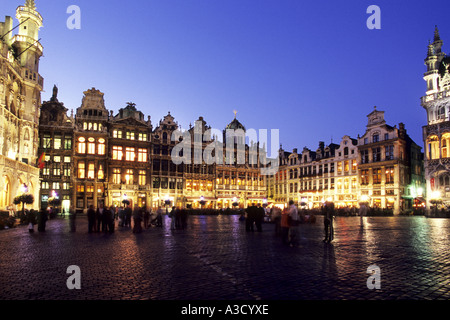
[56, 132]
[390, 166]
[90, 158]
[20, 99]
[129, 148]
[436, 134]
[384, 167]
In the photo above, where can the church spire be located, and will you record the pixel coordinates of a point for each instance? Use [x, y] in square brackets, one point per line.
[436, 34]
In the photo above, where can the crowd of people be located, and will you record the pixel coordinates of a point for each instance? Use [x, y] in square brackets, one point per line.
[103, 219]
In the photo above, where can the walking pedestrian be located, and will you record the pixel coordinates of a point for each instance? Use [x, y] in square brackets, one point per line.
[250, 220]
[72, 219]
[284, 224]
[128, 214]
[293, 224]
[31, 220]
[146, 218]
[159, 219]
[42, 219]
[328, 209]
[100, 219]
[275, 216]
[137, 219]
[91, 219]
[172, 215]
[259, 217]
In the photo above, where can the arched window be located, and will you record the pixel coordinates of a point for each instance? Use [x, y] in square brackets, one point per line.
[445, 145]
[433, 147]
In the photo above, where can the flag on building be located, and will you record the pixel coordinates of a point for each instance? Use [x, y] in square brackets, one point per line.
[41, 161]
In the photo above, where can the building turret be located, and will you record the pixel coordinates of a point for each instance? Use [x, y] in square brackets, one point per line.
[26, 42]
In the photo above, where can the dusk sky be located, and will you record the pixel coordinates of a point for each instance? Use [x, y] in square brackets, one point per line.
[311, 69]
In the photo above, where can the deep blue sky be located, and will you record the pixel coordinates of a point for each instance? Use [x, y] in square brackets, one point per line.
[311, 69]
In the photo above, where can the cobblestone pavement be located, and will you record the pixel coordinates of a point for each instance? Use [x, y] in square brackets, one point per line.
[216, 259]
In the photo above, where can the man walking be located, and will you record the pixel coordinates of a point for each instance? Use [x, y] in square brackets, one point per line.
[293, 224]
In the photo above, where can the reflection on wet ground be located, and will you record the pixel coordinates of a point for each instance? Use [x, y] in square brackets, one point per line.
[215, 258]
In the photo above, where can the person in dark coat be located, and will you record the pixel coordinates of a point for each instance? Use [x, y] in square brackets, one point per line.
[250, 220]
[137, 219]
[128, 214]
[91, 219]
[42, 219]
[99, 218]
[106, 220]
[259, 217]
[31, 220]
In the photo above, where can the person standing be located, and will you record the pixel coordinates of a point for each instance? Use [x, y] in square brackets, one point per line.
[250, 220]
[259, 217]
[128, 214]
[284, 224]
[159, 219]
[91, 219]
[293, 224]
[31, 220]
[137, 219]
[328, 208]
[72, 219]
[146, 218]
[100, 219]
[42, 219]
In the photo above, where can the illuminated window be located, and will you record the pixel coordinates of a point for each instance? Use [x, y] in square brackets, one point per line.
[129, 154]
[129, 176]
[91, 170]
[91, 146]
[142, 155]
[55, 185]
[46, 171]
[346, 166]
[89, 188]
[101, 173]
[57, 143]
[116, 176]
[130, 135]
[117, 153]
[57, 159]
[142, 178]
[339, 167]
[45, 185]
[354, 165]
[80, 188]
[67, 144]
[66, 186]
[46, 141]
[81, 145]
[67, 159]
[376, 176]
[56, 172]
[101, 146]
[364, 177]
[389, 174]
[81, 170]
[142, 137]
[117, 134]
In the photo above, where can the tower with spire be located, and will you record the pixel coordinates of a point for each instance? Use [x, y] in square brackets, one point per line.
[436, 134]
[20, 100]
